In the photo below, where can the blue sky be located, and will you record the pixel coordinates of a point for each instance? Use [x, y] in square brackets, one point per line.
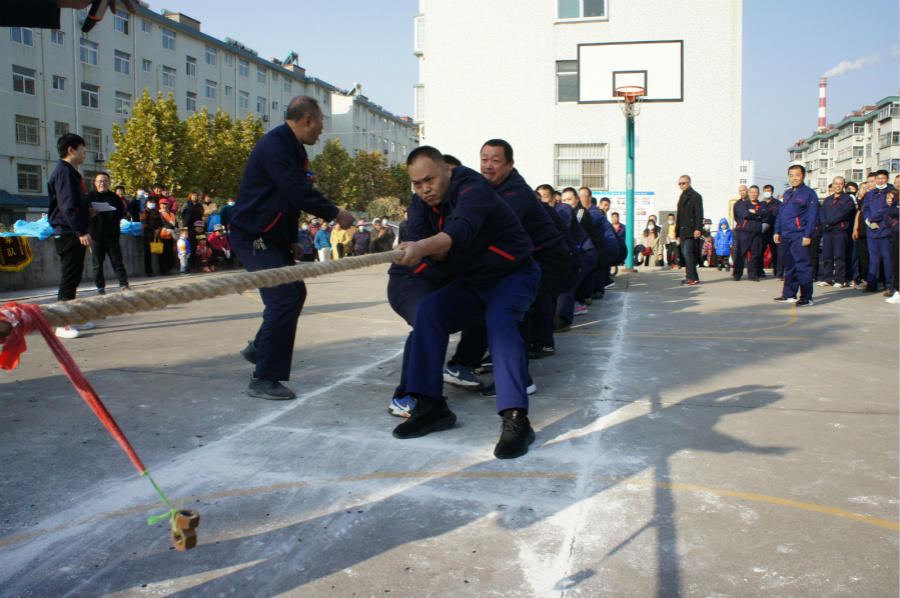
[788, 45]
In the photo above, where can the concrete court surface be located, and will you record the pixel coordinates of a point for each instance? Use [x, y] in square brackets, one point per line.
[691, 441]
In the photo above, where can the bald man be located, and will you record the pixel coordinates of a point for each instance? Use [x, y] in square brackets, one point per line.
[748, 219]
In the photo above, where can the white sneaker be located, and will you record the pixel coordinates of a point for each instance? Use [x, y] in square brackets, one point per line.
[85, 326]
[838, 285]
[792, 300]
[822, 283]
[895, 298]
[611, 285]
[67, 332]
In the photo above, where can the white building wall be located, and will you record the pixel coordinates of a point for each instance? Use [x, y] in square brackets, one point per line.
[747, 173]
[363, 126]
[502, 83]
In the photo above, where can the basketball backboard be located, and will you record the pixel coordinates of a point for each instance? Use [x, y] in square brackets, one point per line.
[657, 66]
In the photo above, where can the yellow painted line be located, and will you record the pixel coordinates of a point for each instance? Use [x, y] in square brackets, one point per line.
[430, 475]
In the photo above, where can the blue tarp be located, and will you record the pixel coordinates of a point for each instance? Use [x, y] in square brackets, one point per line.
[42, 229]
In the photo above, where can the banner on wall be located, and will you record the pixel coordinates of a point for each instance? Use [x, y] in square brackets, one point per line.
[644, 205]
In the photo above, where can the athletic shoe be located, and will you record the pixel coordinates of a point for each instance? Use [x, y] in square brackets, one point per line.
[597, 295]
[580, 309]
[822, 283]
[888, 293]
[127, 287]
[736, 278]
[85, 326]
[271, 390]
[838, 285]
[402, 406]
[560, 325]
[754, 279]
[485, 366]
[611, 285]
[895, 299]
[67, 332]
[540, 350]
[101, 291]
[249, 352]
[869, 290]
[779, 278]
[515, 435]
[786, 300]
[805, 303]
[459, 375]
[693, 283]
[852, 284]
[588, 300]
[491, 390]
[427, 416]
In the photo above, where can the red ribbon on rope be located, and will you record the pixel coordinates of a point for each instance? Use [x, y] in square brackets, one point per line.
[25, 318]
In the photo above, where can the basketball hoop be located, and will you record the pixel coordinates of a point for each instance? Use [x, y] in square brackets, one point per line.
[630, 99]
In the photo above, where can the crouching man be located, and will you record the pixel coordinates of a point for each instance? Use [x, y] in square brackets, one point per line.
[482, 243]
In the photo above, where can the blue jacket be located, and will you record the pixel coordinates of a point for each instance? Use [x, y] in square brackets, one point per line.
[520, 197]
[323, 239]
[69, 208]
[419, 226]
[875, 209]
[724, 239]
[605, 233]
[488, 240]
[275, 188]
[799, 214]
[746, 221]
[567, 215]
[835, 213]
[772, 207]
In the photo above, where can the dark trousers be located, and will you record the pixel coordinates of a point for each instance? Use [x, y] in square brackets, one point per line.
[815, 252]
[283, 304]
[546, 306]
[148, 260]
[834, 256]
[565, 303]
[405, 292]
[100, 252]
[689, 253]
[880, 257]
[71, 264]
[797, 268]
[768, 241]
[673, 255]
[862, 248]
[895, 261]
[744, 243]
[502, 306]
[852, 259]
[307, 257]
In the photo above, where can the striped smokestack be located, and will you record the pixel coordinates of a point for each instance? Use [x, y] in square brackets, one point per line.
[822, 84]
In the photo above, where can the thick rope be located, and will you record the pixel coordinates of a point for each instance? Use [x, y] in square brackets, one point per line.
[82, 311]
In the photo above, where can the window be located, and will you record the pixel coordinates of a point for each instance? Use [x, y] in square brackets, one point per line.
[146, 65]
[123, 103]
[420, 104]
[23, 80]
[91, 139]
[743, 181]
[858, 151]
[59, 83]
[228, 91]
[260, 105]
[57, 37]
[90, 95]
[60, 129]
[274, 107]
[823, 184]
[191, 102]
[211, 89]
[743, 168]
[581, 9]
[88, 52]
[244, 100]
[286, 86]
[372, 140]
[260, 74]
[22, 35]
[122, 62]
[28, 130]
[122, 21]
[211, 55]
[168, 39]
[229, 59]
[404, 150]
[856, 175]
[146, 26]
[168, 76]
[393, 147]
[243, 68]
[274, 77]
[419, 34]
[29, 177]
[581, 165]
[567, 81]
[190, 67]
[859, 128]
[888, 111]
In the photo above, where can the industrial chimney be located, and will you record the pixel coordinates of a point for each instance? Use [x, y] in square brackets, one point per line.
[822, 84]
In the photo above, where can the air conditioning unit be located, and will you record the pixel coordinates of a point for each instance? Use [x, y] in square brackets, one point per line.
[859, 138]
[821, 171]
[101, 157]
[859, 160]
[265, 118]
[824, 152]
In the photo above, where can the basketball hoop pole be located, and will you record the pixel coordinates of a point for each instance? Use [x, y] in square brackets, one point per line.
[629, 190]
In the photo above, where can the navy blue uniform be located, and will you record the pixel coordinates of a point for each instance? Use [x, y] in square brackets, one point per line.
[797, 220]
[275, 188]
[747, 236]
[772, 207]
[835, 217]
[586, 255]
[875, 210]
[496, 281]
[70, 218]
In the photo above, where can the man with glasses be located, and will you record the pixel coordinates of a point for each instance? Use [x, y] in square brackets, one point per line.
[104, 230]
[688, 227]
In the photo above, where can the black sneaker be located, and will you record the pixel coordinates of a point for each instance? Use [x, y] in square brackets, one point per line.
[736, 278]
[486, 365]
[491, 390]
[271, 390]
[427, 416]
[101, 291]
[753, 279]
[560, 325]
[515, 435]
[805, 303]
[540, 350]
[249, 352]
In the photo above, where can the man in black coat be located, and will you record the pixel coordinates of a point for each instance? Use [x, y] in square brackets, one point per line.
[689, 226]
[105, 232]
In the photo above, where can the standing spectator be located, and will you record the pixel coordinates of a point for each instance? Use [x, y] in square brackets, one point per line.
[893, 213]
[620, 239]
[748, 217]
[667, 235]
[226, 213]
[167, 235]
[197, 230]
[652, 242]
[340, 241]
[314, 228]
[105, 232]
[210, 213]
[384, 237]
[793, 231]
[220, 246]
[772, 207]
[835, 215]
[120, 193]
[192, 210]
[70, 215]
[158, 192]
[136, 206]
[173, 203]
[861, 238]
[724, 241]
[304, 238]
[362, 240]
[689, 224]
[151, 225]
[851, 189]
[184, 250]
[875, 214]
[322, 241]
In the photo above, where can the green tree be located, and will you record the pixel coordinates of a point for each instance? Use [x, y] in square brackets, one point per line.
[372, 170]
[400, 183]
[336, 176]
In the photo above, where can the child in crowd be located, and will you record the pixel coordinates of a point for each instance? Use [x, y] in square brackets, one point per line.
[184, 250]
[724, 241]
[204, 254]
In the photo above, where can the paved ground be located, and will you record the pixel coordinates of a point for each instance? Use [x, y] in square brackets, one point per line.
[698, 441]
